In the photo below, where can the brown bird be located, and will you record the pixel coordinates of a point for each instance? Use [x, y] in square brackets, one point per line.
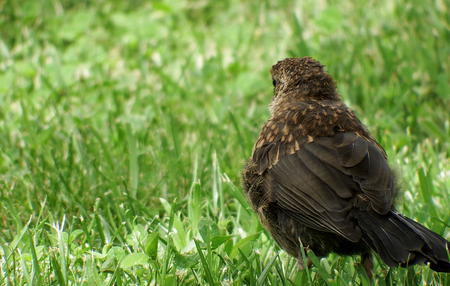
[317, 178]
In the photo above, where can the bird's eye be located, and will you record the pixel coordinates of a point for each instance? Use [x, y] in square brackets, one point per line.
[274, 82]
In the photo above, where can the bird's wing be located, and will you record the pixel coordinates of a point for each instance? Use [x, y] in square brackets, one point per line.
[319, 184]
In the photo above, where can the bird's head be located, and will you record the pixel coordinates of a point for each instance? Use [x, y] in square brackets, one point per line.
[302, 79]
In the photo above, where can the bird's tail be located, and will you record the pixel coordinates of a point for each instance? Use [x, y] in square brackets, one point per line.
[400, 241]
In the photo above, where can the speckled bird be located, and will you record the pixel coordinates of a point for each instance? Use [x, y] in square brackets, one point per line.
[317, 178]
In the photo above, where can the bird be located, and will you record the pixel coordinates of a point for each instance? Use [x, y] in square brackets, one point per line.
[318, 179]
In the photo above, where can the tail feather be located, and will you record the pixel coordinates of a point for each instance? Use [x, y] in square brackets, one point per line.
[400, 241]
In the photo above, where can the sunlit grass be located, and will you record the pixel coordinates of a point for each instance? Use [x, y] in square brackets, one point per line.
[124, 128]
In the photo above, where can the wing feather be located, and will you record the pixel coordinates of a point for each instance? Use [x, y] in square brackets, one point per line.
[317, 184]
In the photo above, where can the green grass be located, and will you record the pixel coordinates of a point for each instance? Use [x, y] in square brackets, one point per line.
[124, 128]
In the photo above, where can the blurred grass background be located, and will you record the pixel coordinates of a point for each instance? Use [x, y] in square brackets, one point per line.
[124, 127]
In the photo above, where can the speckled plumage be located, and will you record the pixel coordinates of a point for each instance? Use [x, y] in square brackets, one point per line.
[317, 176]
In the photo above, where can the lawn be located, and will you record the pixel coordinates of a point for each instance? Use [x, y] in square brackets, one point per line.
[125, 124]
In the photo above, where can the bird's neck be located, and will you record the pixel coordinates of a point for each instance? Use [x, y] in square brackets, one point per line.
[285, 101]
[279, 104]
